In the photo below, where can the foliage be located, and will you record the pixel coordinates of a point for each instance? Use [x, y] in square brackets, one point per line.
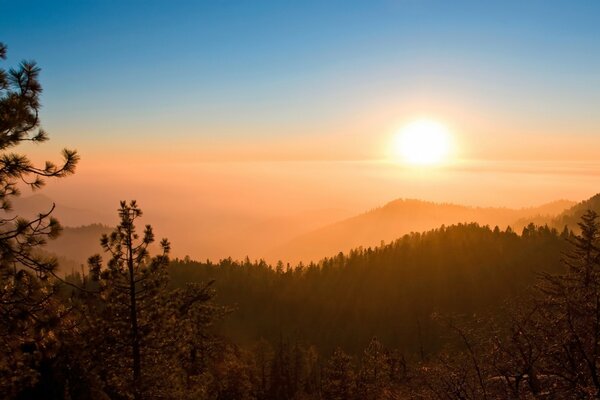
[550, 347]
[388, 292]
[339, 381]
[29, 314]
[144, 335]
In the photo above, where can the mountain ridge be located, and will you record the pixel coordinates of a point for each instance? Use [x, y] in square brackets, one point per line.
[401, 216]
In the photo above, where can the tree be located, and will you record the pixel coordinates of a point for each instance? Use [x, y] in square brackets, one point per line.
[282, 372]
[144, 336]
[20, 91]
[584, 257]
[374, 374]
[131, 282]
[571, 312]
[263, 355]
[338, 377]
[517, 350]
[232, 376]
[546, 346]
[28, 310]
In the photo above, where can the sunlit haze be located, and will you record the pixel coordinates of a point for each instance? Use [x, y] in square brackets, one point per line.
[225, 118]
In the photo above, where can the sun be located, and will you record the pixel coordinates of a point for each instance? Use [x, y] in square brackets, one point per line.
[422, 142]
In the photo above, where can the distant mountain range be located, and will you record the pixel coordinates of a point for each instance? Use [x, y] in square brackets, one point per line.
[76, 245]
[572, 216]
[401, 216]
[83, 228]
[81, 233]
[30, 206]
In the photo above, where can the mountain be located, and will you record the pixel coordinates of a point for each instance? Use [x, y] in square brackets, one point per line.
[260, 237]
[572, 216]
[30, 206]
[389, 291]
[80, 237]
[302, 237]
[75, 245]
[404, 216]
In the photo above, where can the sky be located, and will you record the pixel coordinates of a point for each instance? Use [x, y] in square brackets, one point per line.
[266, 108]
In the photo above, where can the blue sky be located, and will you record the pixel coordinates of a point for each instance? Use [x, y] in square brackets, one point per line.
[283, 69]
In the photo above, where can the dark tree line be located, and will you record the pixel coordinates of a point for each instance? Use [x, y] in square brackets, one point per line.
[546, 346]
[389, 291]
[541, 341]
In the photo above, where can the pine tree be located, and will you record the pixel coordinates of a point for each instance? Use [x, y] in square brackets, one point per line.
[585, 254]
[130, 282]
[571, 310]
[29, 313]
[231, 376]
[145, 335]
[281, 372]
[374, 374]
[339, 381]
[263, 355]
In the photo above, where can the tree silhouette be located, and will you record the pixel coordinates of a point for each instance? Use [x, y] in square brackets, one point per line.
[145, 334]
[374, 374]
[131, 282]
[339, 380]
[28, 313]
[20, 91]
[571, 309]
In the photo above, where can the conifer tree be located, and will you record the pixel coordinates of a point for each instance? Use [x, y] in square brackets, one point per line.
[281, 372]
[339, 381]
[584, 257]
[263, 355]
[374, 374]
[571, 310]
[231, 376]
[130, 282]
[29, 313]
[144, 334]
[20, 92]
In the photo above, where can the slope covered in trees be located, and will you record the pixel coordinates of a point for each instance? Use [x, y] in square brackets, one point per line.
[400, 217]
[389, 291]
[572, 216]
[74, 245]
[569, 217]
[303, 237]
[29, 206]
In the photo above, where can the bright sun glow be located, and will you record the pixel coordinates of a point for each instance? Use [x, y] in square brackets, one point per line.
[422, 142]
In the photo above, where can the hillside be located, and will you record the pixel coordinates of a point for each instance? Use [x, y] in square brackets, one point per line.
[572, 216]
[80, 237]
[30, 206]
[386, 292]
[75, 245]
[301, 237]
[404, 216]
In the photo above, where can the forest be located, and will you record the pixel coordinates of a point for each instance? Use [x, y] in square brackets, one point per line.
[463, 311]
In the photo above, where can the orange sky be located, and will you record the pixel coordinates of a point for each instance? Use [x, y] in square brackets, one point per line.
[203, 207]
